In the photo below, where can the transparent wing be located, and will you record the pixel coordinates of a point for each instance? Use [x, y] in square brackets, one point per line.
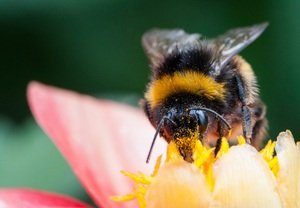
[234, 41]
[159, 43]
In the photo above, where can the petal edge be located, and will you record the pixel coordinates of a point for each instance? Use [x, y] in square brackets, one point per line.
[29, 198]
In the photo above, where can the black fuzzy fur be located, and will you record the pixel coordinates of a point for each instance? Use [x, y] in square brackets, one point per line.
[196, 59]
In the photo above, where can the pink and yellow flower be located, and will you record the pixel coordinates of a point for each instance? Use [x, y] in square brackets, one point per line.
[99, 138]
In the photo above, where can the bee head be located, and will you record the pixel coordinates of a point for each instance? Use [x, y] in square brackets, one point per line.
[181, 123]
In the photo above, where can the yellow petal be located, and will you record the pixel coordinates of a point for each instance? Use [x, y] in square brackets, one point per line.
[288, 177]
[243, 179]
[178, 184]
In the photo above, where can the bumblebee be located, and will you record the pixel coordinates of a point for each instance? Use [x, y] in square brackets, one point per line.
[202, 87]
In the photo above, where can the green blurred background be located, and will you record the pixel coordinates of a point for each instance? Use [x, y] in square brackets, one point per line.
[94, 47]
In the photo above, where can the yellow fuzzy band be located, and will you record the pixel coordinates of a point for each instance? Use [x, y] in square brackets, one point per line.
[188, 81]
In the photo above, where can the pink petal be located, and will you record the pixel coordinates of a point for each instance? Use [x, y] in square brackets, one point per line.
[28, 198]
[97, 137]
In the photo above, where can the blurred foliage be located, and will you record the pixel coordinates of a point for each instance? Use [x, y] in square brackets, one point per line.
[94, 47]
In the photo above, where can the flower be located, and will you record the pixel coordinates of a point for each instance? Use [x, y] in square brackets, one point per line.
[238, 176]
[99, 138]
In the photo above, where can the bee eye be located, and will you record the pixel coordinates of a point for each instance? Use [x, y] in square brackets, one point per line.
[201, 118]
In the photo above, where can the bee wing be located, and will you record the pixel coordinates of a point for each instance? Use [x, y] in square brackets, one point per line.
[159, 43]
[234, 41]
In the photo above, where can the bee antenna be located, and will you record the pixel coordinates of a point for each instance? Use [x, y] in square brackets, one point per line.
[161, 122]
[215, 113]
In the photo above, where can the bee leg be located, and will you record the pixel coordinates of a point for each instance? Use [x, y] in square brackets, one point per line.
[247, 126]
[260, 125]
[219, 141]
